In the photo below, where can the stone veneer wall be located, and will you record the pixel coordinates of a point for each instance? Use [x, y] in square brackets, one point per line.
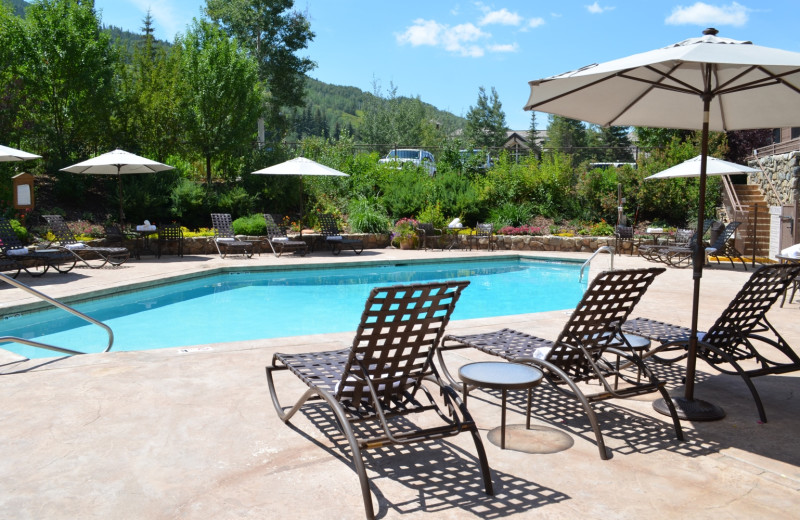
[205, 245]
[784, 172]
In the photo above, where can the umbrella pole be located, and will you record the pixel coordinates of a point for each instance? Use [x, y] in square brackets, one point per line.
[687, 406]
[119, 194]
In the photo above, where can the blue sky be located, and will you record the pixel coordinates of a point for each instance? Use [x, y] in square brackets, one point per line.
[443, 51]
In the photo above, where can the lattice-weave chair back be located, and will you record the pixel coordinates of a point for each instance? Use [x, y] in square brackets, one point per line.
[749, 307]
[400, 328]
[60, 229]
[222, 224]
[596, 321]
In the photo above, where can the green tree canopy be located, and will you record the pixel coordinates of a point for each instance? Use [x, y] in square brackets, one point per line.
[569, 136]
[273, 33]
[68, 70]
[222, 98]
[486, 122]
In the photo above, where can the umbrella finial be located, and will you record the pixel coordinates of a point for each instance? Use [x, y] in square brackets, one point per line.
[710, 32]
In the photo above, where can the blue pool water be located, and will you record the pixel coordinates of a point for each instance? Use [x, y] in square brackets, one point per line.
[252, 305]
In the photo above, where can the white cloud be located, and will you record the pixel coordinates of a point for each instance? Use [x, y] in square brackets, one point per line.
[596, 8]
[507, 47]
[533, 23]
[458, 39]
[501, 17]
[701, 13]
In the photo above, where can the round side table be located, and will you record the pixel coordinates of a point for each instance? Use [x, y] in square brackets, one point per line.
[503, 376]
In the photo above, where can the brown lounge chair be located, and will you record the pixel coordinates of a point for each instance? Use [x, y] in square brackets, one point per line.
[333, 236]
[384, 376]
[278, 241]
[35, 263]
[741, 333]
[577, 355]
[224, 239]
[66, 241]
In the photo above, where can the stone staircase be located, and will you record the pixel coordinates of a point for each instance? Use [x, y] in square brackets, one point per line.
[749, 196]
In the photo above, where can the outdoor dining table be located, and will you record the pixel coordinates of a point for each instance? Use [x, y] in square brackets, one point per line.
[143, 242]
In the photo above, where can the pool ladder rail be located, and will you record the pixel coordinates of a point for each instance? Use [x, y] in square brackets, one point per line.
[60, 305]
[608, 249]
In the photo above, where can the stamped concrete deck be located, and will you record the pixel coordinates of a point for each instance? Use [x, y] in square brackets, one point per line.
[170, 435]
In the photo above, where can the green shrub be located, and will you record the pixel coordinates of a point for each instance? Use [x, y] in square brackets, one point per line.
[513, 215]
[367, 216]
[235, 201]
[20, 231]
[253, 225]
[432, 213]
[188, 204]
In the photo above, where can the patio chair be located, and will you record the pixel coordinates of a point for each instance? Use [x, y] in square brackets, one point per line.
[427, 232]
[170, 234]
[115, 235]
[333, 236]
[483, 231]
[66, 241]
[684, 238]
[383, 378]
[278, 241]
[33, 262]
[224, 239]
[623, 234]
[576, 357]
[682, 256]
[741, 333]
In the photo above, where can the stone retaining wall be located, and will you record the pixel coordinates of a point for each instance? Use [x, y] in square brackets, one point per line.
[784, 173]
[205, 245]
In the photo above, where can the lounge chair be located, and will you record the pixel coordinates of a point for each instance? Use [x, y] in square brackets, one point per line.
[278, 241]
[682, 256]
[684, 238]
[170, 234]
[9, 265]
[427, 232]
[741, 333]
[483, 231]
[577, 355]
[224, 239]
[333, 236]
[383, 378]
[35, 262]
[66, 241]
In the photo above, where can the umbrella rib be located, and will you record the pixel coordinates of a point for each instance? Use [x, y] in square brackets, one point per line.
[653, 84]
[565, 94]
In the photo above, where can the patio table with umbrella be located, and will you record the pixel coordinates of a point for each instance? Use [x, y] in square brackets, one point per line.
[707, 83]
[300, 166]
[8, 154]
[118, 162]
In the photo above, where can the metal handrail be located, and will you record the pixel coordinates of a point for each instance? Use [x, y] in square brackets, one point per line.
[610, 251]
[60, 305]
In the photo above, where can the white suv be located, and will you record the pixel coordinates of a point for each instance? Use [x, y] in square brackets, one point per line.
[414, 156]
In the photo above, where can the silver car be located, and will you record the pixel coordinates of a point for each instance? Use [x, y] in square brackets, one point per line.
[417, 157]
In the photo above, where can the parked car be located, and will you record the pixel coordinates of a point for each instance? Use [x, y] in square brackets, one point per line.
[476, 159]
[417, 157]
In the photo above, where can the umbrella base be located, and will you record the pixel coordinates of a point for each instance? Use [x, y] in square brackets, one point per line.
[691, 409]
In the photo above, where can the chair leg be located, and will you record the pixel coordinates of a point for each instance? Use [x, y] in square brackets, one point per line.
[587, 407]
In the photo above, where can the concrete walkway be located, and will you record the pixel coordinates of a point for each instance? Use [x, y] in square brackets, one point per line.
[167, 434]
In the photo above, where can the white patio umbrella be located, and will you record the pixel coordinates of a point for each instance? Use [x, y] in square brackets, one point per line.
[707, 83]
[117, 163]
[691, 168]
[300, 166]
[12, 154]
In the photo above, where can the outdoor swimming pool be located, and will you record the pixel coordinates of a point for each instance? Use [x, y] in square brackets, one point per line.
[243, 305]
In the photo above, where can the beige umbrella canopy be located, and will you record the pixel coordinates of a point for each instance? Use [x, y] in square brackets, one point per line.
[118, 162]
[300, 166]
[12, 154]
[706, 83]
[691, 168]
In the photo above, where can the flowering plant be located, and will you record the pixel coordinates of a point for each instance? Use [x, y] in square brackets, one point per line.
[521, 230]
[405, 228]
